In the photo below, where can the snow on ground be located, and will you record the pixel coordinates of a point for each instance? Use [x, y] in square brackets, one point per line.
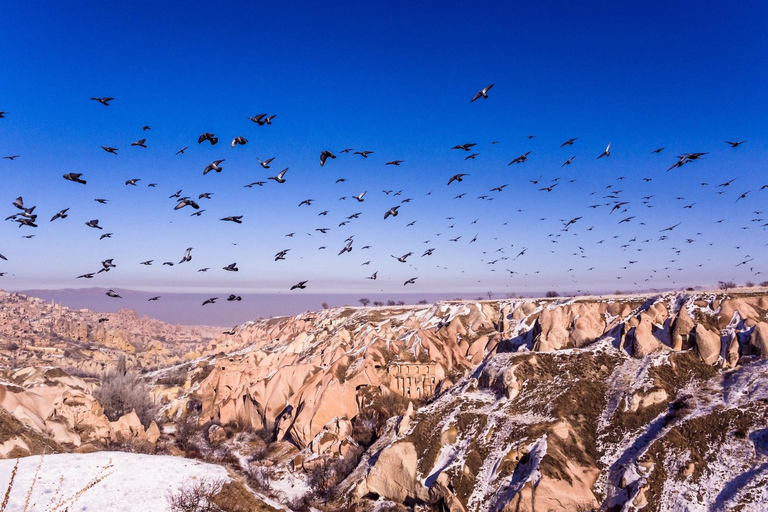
[135, 483]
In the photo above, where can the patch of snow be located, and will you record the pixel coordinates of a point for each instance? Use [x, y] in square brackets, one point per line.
[135, 483]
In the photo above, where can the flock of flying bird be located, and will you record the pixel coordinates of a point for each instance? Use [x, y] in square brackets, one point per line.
[26, 217]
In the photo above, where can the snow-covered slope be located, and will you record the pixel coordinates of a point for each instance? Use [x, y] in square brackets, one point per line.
[131, 483]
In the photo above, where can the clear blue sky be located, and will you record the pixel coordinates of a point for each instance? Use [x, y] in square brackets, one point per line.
[395, 78]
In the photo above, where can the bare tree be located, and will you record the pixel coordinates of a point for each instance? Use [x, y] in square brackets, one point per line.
[552, 294]
[490, 295]
[365, 302]
[726, 285]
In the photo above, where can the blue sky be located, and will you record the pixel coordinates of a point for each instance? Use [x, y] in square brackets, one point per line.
[394, 78]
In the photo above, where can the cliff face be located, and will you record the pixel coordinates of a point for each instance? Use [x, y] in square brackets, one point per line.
[312, 367]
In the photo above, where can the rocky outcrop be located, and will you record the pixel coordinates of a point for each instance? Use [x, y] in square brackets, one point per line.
[63, 409]
[301, 372]
[707, 344]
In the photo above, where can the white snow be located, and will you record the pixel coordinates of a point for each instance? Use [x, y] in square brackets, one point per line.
[135, 483]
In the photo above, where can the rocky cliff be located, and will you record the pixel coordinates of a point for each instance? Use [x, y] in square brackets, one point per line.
[619, 403]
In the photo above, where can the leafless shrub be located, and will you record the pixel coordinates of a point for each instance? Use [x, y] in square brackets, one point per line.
[726, 285]
[551, 294]
[749, 284]
[186, 430]
[364, 301]
[764, 283]
[122, 392]
[196, 496]
[259, 478]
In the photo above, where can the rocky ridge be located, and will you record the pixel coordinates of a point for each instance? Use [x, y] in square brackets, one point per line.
[558, 403]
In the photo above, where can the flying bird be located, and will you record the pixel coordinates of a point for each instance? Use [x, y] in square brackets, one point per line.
[457, 177]
[325, 155]
[110, 149]
[402, 258]
[213, 166]
[735, 144]
[300, 285]
[265, 163]
[187, 255]
[520, 159]
[279, 178]
[239, 140]
[140, 143]
[61, 215]
[482, 93]
[212, 300]
[232, 267]
[410, 281]
[104, 101]
[234, 218]
[607, 151]
[209, 137]
[113, 294]
[569, 142]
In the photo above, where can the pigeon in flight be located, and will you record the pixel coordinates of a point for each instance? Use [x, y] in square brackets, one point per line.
[185, 201]
[187, 255]
[410, 281]
[148, 262]
[607, 152]
[569, 142]
[74, 176]
[157, 297]
[735, 144]
[209, 137]
[213, 166]
[212, 300]
[363, 154]
[93, 224]
[11, 157]
[232, 267]
[232, 297]
[325, 155]
[465, 147]
[113, 294]
[239, 140]
[61, 215]
[457, 177]
[279, 178]
[392, 211]
[104, 101]
[110, 149]
[373, 276]
[265, 163]
[140, 143]
[402, 258]
[394, 162]
[234, 218]
[133, 181]
[182, 150]
[300, 285]
[482, 93]
[520, 159]
[359, 197]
